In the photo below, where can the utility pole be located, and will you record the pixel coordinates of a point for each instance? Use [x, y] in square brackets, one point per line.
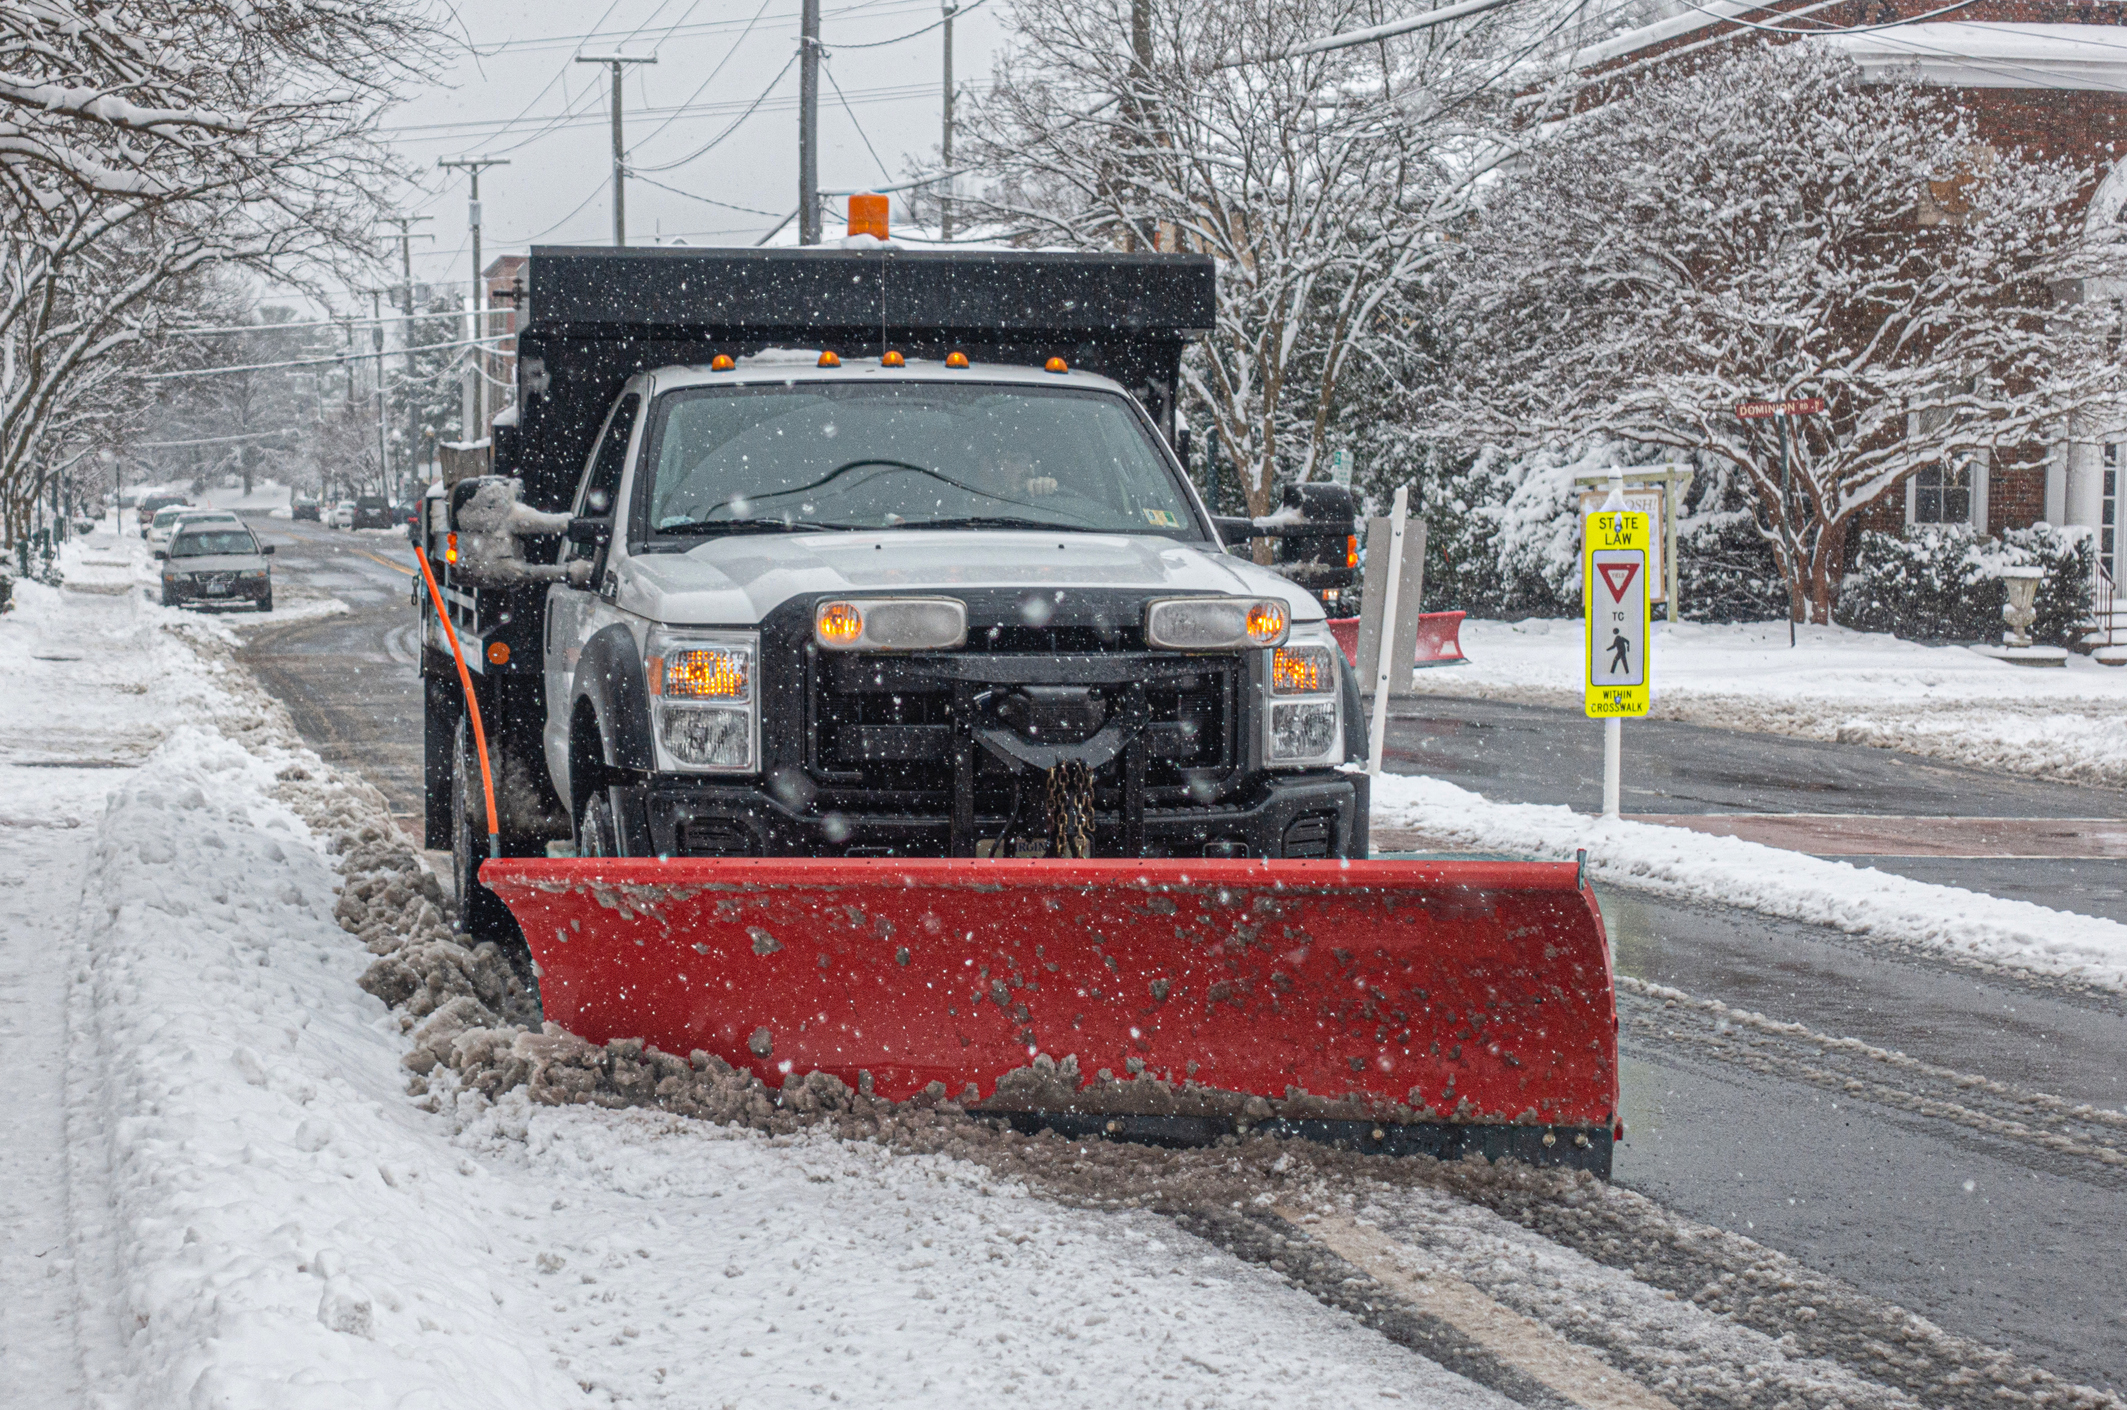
[945, 145]
[809, 123]
[407, 236]
[376, 343]
[474, 166]
[620, 169]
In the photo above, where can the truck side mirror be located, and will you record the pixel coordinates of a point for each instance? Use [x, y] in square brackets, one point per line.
[160, 554]
[590, 533]
[265, 548]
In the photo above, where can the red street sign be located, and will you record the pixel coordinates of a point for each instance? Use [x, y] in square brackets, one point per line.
[1619, 576]
[1798, 406]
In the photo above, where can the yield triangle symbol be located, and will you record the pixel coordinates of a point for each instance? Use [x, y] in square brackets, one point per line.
[1619, 576]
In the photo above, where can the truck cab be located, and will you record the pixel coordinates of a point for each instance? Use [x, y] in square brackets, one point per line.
[813, 587]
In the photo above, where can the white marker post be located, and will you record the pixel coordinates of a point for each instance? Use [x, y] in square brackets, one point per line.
[1385, 657]
[1614, 727]
[1616, 544]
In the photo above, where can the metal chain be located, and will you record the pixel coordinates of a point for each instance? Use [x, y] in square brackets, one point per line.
[1070, 810]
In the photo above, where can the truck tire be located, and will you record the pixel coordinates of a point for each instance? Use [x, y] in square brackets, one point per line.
[440, 713]
[481, 914]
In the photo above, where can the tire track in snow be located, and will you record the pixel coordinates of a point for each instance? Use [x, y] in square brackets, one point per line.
[2073, 1138]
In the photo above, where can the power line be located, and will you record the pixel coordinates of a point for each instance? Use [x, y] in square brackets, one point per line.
[705, 200]
[350, 322]
[314, 361]
[751, 108]
[453, 131]
[851, 115]
[879, 9]
[962, 13]
[703, 86]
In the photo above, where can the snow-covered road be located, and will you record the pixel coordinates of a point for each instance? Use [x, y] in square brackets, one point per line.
[233, 1195]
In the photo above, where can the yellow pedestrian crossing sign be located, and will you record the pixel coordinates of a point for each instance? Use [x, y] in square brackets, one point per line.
[1615, 545]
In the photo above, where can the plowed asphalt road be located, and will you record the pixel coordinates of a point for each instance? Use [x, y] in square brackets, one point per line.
[1976, 1203]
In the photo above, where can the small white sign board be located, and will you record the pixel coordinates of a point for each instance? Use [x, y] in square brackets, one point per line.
[1340, 468]
[1650, 501]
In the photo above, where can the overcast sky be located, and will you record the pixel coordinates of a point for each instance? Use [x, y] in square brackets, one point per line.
[516, 92]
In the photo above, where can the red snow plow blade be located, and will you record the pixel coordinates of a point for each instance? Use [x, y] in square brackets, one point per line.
[1435, 1007]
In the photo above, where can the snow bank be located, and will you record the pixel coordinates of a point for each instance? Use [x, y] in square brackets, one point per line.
[1947, 920]
[266, 1208]
[1852, 687]
[270, 1211]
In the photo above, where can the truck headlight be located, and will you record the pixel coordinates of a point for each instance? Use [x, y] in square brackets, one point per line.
[1216, 623]
[891, 624]
[705, 713]
[1305, 725]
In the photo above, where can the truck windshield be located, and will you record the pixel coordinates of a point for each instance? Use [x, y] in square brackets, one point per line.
[906, 454]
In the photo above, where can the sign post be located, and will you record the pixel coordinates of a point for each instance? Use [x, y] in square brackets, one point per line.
[1779, 411]
[1616, 563]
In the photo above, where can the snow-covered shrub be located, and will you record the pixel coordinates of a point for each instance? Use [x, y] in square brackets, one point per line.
[1503, 536]
[1943, 583]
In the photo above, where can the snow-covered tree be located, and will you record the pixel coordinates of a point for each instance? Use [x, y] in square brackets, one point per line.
[1319, 181]
[142, 142]
[1771, 226]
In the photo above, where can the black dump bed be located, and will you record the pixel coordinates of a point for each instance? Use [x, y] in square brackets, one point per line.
[598, 315]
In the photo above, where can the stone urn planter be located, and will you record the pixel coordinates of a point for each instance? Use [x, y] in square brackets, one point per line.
[2019, 612]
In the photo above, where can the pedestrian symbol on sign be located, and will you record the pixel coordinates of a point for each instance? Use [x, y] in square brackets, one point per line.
[1620, 653]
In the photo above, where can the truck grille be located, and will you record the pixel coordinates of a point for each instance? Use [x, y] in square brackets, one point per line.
[879, 745]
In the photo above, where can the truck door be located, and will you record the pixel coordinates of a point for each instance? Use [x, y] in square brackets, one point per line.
[569, 607]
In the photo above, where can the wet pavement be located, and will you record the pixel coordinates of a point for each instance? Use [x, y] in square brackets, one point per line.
[352, 682]
[1911, 1197]
[1739, 1134]
[1538, 754]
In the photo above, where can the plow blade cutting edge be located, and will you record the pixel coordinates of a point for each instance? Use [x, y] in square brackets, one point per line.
[1435, 1007]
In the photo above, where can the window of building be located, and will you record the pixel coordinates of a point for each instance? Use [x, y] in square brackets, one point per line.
[1942, 494]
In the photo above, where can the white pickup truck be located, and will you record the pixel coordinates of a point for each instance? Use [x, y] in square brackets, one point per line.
[936, 593]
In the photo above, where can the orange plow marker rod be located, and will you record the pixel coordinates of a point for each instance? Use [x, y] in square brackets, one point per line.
[472, 702]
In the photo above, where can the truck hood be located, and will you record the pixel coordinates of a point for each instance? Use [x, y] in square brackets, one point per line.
[737, 581]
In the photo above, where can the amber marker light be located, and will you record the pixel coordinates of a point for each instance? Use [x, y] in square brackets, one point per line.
[1056, 364]
[705, 674]
[957, 361]
[498, 653]
[828, 359]
[893, 359]
[1266, 621]
[1297, 672]
[839, 623]
[1351, 550]
[450, 548]
[721, 363]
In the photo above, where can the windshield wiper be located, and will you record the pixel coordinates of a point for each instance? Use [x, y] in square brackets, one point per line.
[1001, 521]
[752, 526]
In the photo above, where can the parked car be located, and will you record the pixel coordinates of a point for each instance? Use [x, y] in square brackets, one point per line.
[304, 507]
[343, 515]
[218, 563]
[164, 520]
[151, 505]
[372, 511]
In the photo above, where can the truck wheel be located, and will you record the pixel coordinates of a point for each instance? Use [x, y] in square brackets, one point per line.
[481, 914]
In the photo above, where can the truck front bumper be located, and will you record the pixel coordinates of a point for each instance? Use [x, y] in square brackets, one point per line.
[1301, 814]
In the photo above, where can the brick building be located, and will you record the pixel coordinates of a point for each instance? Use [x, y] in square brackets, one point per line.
[2048, 77]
